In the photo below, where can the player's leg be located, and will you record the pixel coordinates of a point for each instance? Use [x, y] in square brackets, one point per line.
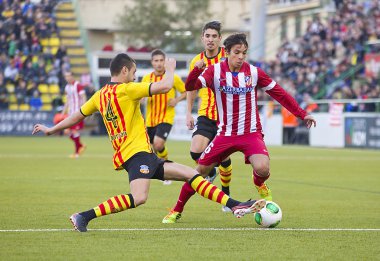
[225, 172]
[159, 143]
[175, 171]
[257, 155]
[139, 185]
[198, 144]
[75, 137]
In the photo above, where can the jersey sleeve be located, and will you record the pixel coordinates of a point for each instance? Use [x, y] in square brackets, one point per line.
[137, 90]
[80, 89]
[145, 78]
[206, 79]
[90, 106]
[179, 85]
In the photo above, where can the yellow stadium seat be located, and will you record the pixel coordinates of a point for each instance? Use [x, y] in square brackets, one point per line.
[43, 88]
[46, 98]
[12, 98]
[44, 41]
[24, 107]
[54, 41]
[53, 50]
[13, 107]
[54, 89]
[46, 107]
[64, 98]
[10, 87]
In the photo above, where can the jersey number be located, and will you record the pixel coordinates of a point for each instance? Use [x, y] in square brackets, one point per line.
[110, 115]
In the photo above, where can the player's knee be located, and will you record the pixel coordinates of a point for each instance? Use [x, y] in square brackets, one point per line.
[262, 169]
[203, 170]
[195, 155]
[158, 146]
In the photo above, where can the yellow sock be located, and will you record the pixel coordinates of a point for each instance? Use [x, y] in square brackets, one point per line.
[225, 175]
[114, 205]
[208, 190]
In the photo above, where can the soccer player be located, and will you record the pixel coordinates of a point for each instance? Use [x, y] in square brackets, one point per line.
[160, 107]
[234, 83]
[119, 104]
[76, 97]
[206, 128]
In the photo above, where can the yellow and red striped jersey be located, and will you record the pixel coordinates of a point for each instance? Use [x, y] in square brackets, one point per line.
[207, 106]
[158, 110]
[119, 105]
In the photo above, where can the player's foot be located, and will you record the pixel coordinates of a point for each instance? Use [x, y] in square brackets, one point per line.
[212, 178]
[264, 192]
[248, 207]
[226, 209]
[74, 156]
[167, 182]
[82, 149]
[79, 222]
[172, 217]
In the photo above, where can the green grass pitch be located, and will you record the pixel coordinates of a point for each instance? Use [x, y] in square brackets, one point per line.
[329, 198]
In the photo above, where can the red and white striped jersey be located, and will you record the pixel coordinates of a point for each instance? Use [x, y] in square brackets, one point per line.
[74, 94]
[236, 97]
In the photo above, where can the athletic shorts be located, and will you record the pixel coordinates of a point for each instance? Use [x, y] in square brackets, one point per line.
[78, 126]
[144, 165]
[205, 127]
[162, 130]
[223, 146]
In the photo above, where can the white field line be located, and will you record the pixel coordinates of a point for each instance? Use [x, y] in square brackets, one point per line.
[198, 229]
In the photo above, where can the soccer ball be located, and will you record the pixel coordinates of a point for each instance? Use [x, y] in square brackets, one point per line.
[269, 216]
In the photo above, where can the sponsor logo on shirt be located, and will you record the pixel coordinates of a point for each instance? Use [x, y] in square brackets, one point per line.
[235, 90]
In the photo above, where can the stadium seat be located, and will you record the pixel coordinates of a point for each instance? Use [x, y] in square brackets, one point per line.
[46, 98]
[24, 107]
[10, 87]
[44, 41]
[54, 41]
[43, 88]
[46, 107]
[64, 98]
[54, 89]
[54, 50]
[13, 107]
[12, 98]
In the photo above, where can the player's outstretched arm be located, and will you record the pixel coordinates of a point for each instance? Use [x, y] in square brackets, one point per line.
[166, 83]
[66, 123]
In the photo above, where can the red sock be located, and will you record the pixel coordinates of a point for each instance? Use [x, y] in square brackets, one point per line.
[258, 180]
[186, 193]
[76, 139]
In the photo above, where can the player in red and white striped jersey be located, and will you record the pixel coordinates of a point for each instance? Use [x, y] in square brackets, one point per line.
[75, 98]
[235, 83]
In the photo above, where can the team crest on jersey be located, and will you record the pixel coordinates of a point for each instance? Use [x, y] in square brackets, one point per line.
[248, 80]
[223, 59]
[144, 169]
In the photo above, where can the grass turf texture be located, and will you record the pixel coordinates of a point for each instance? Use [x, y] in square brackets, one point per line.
[315, 187]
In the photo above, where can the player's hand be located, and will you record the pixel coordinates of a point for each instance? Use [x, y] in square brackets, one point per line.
[189, 121]
[172, 102]
[170, 64]
[200, 64]
[309, 121]
[39, 127]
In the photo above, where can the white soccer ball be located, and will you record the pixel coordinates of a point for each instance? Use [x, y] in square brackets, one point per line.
[269, 216]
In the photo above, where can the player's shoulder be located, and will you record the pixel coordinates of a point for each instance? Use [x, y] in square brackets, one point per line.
[196, 58]
[146, 77]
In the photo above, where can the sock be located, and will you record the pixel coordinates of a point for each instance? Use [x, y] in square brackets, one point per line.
[258, 180]
[211, 192]
[163, 154]
[113, 205]
[76, 139]
[225, 171]
[212, 172]
[186, 193]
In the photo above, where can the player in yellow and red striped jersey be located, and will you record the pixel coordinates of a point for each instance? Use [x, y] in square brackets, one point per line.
[206, 127]
[160, 110]
[119, 105]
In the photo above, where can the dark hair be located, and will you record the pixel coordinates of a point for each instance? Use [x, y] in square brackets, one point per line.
[157, 52]
[234, 39]
[216, 25]
[121, 60]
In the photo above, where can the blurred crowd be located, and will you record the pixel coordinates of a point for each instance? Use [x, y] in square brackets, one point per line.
[24, 61]
[327, 61]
